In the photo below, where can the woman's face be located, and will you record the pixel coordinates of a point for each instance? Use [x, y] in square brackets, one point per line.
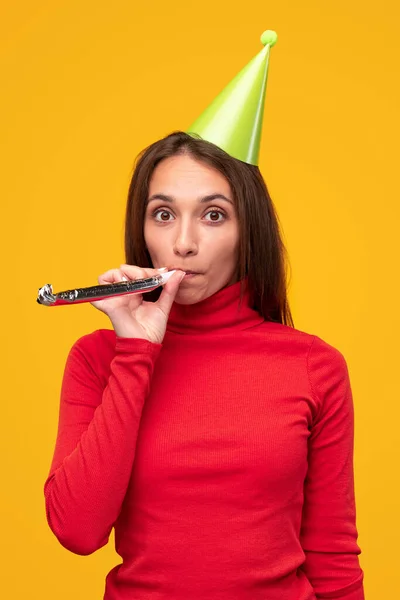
[191, 224]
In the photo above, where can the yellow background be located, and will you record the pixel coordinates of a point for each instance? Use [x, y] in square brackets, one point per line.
[85, 85]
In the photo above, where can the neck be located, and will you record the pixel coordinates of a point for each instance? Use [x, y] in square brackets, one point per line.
[220, 312]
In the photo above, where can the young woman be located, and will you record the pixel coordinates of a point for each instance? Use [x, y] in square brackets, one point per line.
[214, 437]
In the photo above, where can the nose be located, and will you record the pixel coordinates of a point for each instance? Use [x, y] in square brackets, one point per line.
[185, 242]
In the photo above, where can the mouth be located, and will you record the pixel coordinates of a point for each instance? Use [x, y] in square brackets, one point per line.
[187, 271]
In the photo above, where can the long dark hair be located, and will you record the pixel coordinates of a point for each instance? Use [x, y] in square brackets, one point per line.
[262, 254]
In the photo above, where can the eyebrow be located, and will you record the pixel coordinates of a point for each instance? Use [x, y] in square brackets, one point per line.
[208, 198]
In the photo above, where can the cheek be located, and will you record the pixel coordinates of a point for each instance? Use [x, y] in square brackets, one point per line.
[149, 237]
[225, 244]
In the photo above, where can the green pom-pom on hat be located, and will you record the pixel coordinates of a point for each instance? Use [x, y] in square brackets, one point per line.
[269, 37]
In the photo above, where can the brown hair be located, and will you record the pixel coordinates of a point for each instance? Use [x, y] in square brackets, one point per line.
[262, 254]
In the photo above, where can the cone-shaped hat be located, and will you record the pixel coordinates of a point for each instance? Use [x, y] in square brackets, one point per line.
[233, 121]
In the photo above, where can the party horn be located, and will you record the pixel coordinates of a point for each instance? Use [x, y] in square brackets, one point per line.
[46, 297]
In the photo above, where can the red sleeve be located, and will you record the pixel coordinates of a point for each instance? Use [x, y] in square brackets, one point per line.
[95, 446]
[328, 533]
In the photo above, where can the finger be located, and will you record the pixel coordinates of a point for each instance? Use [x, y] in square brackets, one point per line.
[169, 292]
[127, 272]
[134, 272]
[111, 276]
[130, 272]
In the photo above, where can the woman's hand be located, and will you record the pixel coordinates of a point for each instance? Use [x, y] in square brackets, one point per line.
[130, 315]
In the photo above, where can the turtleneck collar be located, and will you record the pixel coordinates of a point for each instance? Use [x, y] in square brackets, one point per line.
[217, 313]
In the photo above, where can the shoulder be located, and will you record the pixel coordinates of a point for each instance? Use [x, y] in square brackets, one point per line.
[322, 354]
[285, 332]
[328, 375]
[100, 340]
[324, 365]
[312, 342]
[290, 338]
[319, 357]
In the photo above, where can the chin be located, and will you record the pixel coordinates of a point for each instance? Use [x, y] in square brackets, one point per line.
[187, 298]
[188, 295]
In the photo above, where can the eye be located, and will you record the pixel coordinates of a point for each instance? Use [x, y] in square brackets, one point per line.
[216, 211]
[162, 212]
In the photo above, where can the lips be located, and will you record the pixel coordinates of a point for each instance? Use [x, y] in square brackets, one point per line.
[187, 271]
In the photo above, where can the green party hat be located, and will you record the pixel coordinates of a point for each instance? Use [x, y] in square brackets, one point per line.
[233, 121]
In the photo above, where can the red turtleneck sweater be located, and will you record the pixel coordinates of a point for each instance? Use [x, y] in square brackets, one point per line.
[223, 457]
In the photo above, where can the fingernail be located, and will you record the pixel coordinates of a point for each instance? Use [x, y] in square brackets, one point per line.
[162, 269]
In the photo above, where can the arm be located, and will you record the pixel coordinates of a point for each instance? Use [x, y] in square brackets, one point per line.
[328, 532]
[95, 447]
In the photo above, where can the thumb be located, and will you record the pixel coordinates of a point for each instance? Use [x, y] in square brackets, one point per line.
[169, 292]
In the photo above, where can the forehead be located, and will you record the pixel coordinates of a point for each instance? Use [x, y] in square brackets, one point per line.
[183, 173]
